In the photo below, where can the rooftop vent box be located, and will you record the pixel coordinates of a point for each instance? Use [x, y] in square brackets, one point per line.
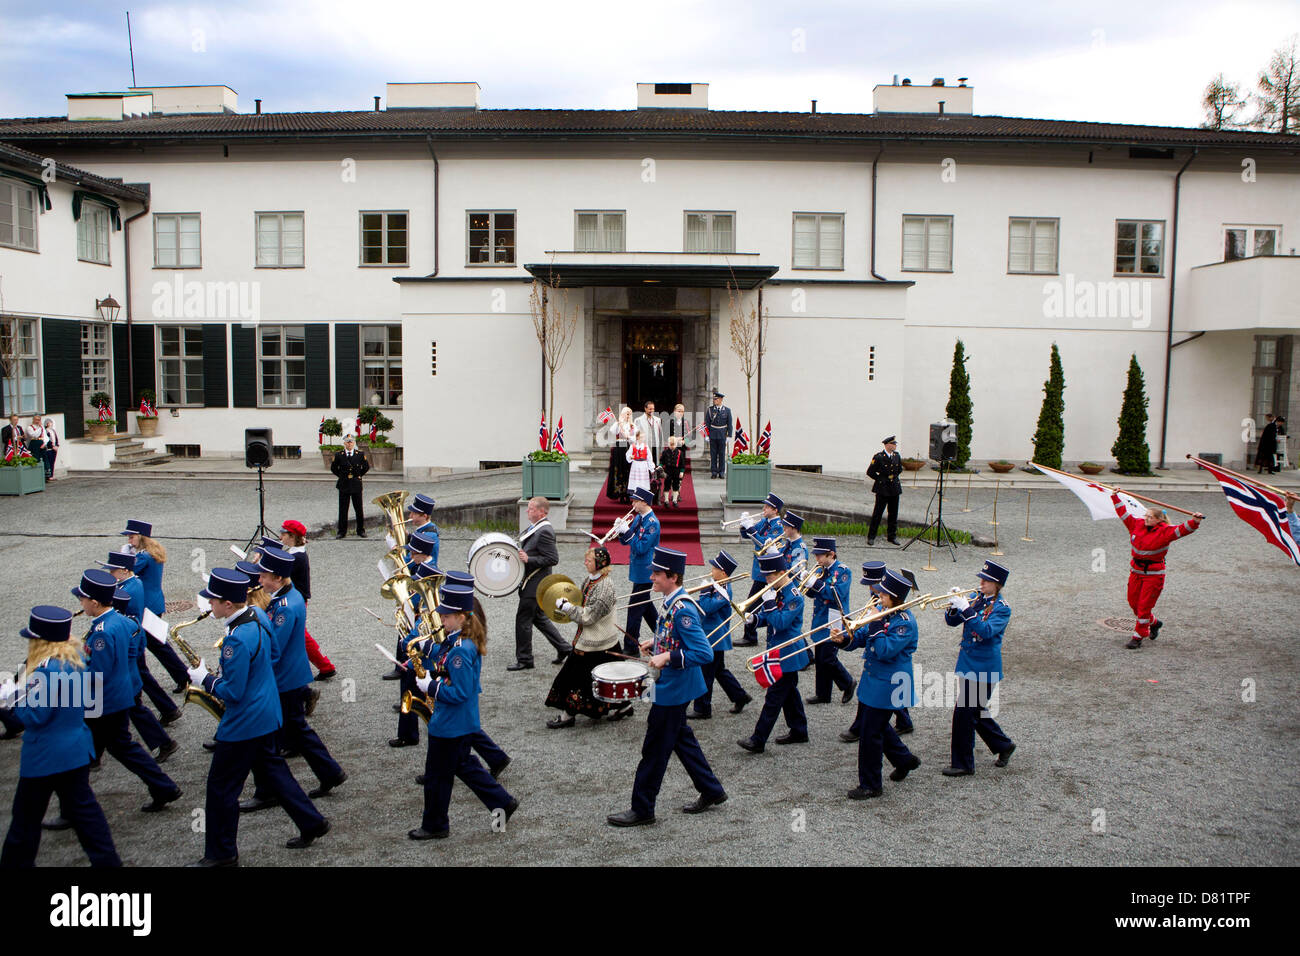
[108, 106]
[907, 98]
[672, 96]
[432, 96]
[171, 100]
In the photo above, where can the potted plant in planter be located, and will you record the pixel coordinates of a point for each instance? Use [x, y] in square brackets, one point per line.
[913, 464]
[21, 475]
[1091, 468]
[1002, 466]
[749, 477]
[147, 420]
[382, 451]
[546, 474]
[104, 423]
[334, 428]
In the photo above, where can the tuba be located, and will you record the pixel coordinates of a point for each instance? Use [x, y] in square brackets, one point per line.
[394, 562]
[418, 703]
[210, 702]
[393, 506]
[428, 620]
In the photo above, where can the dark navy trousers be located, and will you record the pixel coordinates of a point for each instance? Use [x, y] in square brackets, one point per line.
[153, 690]
[902, 720]
[751, 628]
[296, 734]
[783, 696]
[829, 670]
[966, 722]
[877, 738]
[112, 732]
[32, 799]
[446, 759]
[147, 725]
[231, 762]
[717, 668]
[169, 659]
[668, 733]
[644, 610]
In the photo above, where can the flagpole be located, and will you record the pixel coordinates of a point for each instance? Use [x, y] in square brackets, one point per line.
[1113, 490]
[1200, 463]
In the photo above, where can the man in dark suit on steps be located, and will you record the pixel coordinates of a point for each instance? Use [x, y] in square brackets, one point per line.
[350, 466]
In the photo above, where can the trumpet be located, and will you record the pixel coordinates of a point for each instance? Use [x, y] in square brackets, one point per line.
[610, 533]
[771, 541]
[742, 609]
[944, 601]
[210, 702]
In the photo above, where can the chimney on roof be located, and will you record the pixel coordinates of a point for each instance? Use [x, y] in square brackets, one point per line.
[961, 81]
[672, 96]
[895, 79]
[937, 98]
[814, 106]
[376, 104]
[937, 81]
[257, 107]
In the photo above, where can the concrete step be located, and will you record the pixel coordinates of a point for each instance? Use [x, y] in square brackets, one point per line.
[139, 461]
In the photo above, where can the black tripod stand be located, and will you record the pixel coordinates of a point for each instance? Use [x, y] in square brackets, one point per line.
[261, 529]
[941, 530]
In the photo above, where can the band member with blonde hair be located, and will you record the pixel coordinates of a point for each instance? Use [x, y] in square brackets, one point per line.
[597, 635]
[150, 556]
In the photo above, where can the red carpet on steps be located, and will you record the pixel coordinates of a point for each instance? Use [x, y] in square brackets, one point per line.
[679, 528]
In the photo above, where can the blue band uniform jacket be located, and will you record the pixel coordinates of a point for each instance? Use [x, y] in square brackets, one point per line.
[288, 614]
[150, 571]
[641, 538]
[833, 596]
[758, 536]
[887, 681]
[782, 625]
[680, 635]
[982, 627]
[717, 611]
[245, 679]
[455, 697]
[431, 530]
[57, 738]
[109, 645]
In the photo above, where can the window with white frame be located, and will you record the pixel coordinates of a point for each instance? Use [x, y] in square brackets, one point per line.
[384, 238]
[176, 241]
[710, 231]
[17, 215]
[96, 359]
[381, 365]
[18, 345]
[180, 364]
[1139, 247]
[600, 230]
[818, 240]
[927, 243]
[282, 365]
[279, 240]
[92, 233]
[1032, 246]
[1243, 242]
[491, 237]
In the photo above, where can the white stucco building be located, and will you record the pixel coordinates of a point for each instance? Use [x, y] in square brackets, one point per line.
[286, 266]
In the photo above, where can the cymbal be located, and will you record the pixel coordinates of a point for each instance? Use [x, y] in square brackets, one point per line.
[551, 590]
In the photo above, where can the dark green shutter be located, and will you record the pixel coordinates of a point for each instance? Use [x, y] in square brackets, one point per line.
[347, 364]
[121, 384]
[61, 370]
[317, 341]
[243, 365]
[214, 366]
[142, 342]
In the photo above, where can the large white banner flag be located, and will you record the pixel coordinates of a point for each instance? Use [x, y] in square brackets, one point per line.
[1096, 497]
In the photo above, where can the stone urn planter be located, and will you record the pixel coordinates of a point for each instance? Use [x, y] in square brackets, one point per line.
[1091, 468]
[22, 479]
[748, 482]
[148, 425]
[327, 453]
[99, 431]
[913, 464]
[382, 457]
[1002, 467]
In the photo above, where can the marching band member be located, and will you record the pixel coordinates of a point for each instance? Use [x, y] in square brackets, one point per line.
[679, 649]
[597, 635]
[538, 552]
[454, 685]
[419, 511]
[782, 614]
[886, 685]
[245, 681]
[873, 572]
[293, 538]
[796, 552]
[715, 604]
[1150, 537]
[641, 535]
[830, 594]
[760, 531]
[420, 548]
[142, 718]
[292, 679]
[150, 556]
[979, 668]
[57, 753]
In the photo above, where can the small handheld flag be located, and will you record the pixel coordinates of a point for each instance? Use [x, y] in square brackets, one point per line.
[767, 668]
[606, 416]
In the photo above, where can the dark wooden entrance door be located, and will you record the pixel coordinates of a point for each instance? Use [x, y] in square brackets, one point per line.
[652, 363]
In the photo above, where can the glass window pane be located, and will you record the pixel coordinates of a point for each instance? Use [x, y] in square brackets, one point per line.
[372, 340]
[295, 340]
[696, 233]
[832, 241]
[585, 239]
[1234, 244]
[394, 340]
[805, 240]
[270, 341]
[724, 233]
[1265, 240]
[395, 383]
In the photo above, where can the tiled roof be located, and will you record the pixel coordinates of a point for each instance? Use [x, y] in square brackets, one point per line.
[648, 123]
[23, 159]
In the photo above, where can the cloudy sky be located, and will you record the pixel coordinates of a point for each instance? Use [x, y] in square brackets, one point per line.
[1128, 62]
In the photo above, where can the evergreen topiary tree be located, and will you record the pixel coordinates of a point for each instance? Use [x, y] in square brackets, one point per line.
[960, 408]
[1132, 455]
[1049, 439]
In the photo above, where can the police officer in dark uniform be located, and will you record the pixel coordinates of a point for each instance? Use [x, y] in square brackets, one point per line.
[884, 470]
[718, 419]
[350, 466]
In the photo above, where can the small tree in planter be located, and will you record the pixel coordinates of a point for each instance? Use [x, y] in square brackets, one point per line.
[748, 340]
[382, 451]
[960, 409]
[147, 420]
[104, 422]
[1049, 438]
[332, 428]
[1132, 454]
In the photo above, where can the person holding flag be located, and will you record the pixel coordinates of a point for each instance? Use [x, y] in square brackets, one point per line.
[782, 613]
[1150, 537]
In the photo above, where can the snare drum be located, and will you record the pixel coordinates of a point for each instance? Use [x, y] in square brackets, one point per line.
[494, 563]
[619, 681]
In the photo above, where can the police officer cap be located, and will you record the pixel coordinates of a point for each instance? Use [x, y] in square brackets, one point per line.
[119, 559]
[773, 501]
[421, 543]
[891, 440]
[643, 494]
[666, 559]
[824, 546]
[872, 572]
[893, 584]
[97, 585]
[134, 526]
[349, 438]
[455, 600]
[793, 520]
[717, 394]
[422, 504]
[276, 561]
[226, 584]
[992, 571]
[724, 563]
[48, 623]
[773, 563]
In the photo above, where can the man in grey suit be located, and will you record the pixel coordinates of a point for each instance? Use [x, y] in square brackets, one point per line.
[539, 554]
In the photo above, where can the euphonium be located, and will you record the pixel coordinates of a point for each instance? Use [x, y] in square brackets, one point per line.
[420, 704]
[210, 702]
[429, 622]
[394, 562]
[393, 505]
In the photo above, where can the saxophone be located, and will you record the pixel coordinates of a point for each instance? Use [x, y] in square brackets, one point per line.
[210, 702]
[421, 704]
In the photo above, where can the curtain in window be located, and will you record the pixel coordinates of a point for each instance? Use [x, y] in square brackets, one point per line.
[805, 241]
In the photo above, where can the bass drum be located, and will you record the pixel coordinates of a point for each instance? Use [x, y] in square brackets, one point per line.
[494, 563]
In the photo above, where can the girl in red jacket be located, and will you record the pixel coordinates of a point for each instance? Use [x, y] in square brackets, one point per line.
[1150, 538]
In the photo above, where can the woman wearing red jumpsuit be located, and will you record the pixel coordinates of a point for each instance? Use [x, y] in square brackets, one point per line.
[1150, 538]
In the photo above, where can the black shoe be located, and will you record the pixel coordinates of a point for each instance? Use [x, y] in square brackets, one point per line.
[848, 693]
[895, 542]
[697, 715]
[871, 543]
[849, 737]
[419, 781]
[555, 723]
[325, 788]
[1133, 643]
[1004, 758]
[957, 772]
[791, 738]
[1155, 630]
[58, 823]
[304, 840]
[903, 730]
[339, 537]
[624, 710]
[402, 742]
[750, 744]
[394, 674]
[326, 675]
[901, 773]
[160, 803]
[209, 745]
[559, 658]
[519, 666]
[258, 803]
[628, 818]
[179, 688]
[499, 769]
[703, 803]
[816, 700]
[12, 734]
[170, 718]
[166, 750]
[205, 862]
[747, 642]
[739, 705]
[511, 807]
[361, 534]
[858, 793]
[422, 834]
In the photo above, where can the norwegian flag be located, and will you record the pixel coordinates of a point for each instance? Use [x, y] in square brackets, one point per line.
[320, 434]
[741, 444]
[768, 671]
[357, 426]
[146, 408]
[557, 443]
[105, 412]
[606, 416]
[543, 436]
[10, 450]
[1263, 510]
[765, 439]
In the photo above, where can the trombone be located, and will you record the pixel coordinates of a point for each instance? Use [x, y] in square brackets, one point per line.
[702, 586]
[742, 609]
[849, 625]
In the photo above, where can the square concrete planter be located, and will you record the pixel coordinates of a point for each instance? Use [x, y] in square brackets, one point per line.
[22, 480]
[546, 479]
[748, 482]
